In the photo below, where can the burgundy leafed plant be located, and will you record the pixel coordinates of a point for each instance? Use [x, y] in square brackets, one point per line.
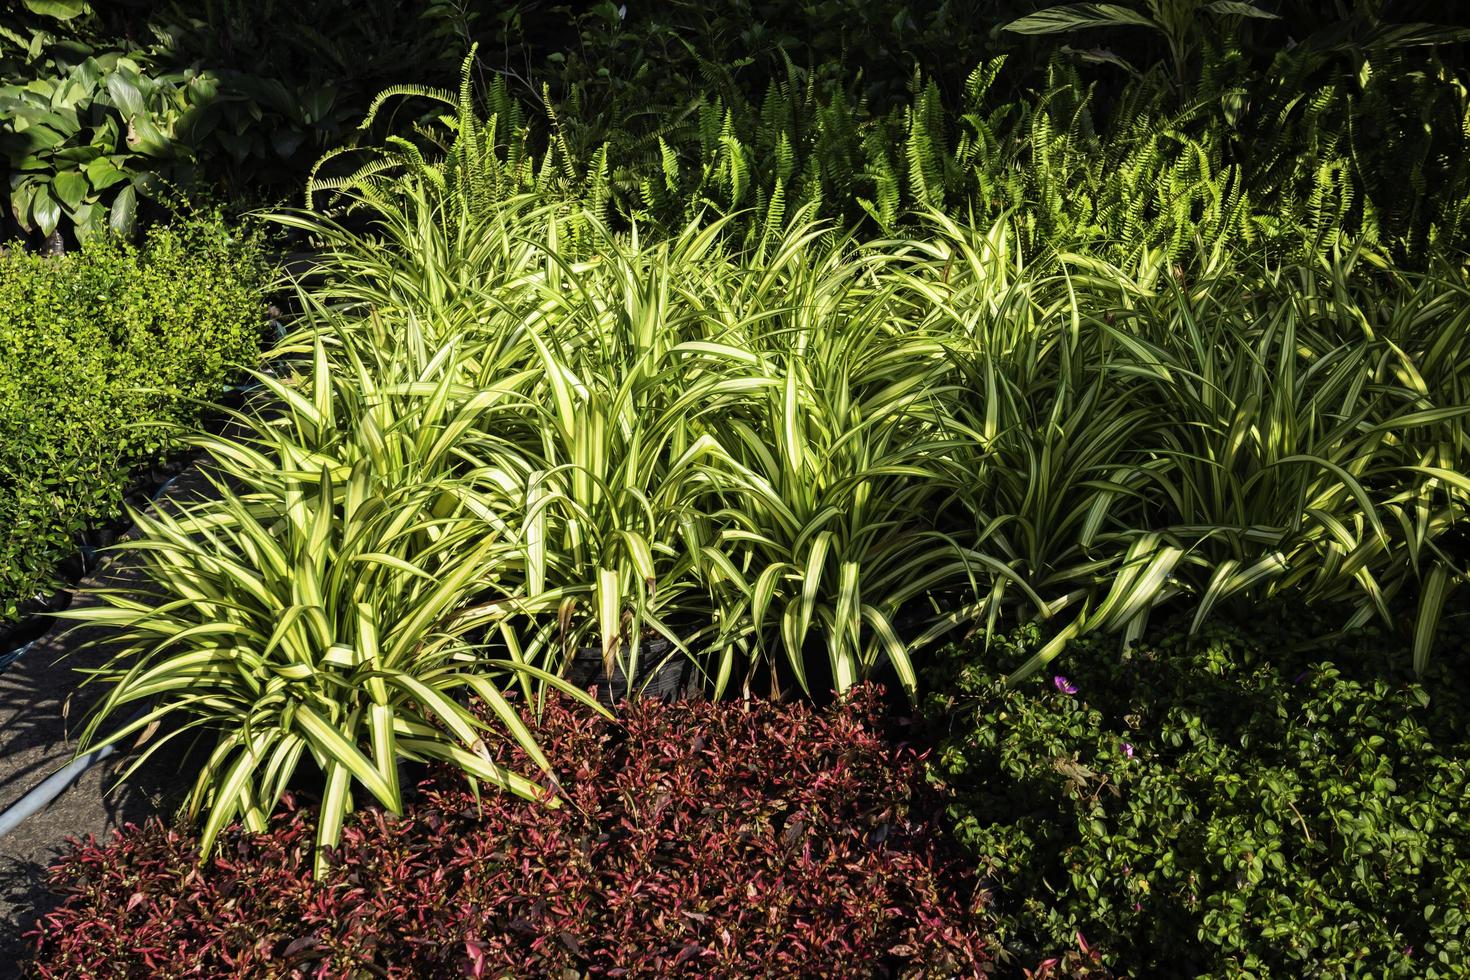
[698, 840]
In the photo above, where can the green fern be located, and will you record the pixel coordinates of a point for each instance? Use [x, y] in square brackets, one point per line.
[1145, 182]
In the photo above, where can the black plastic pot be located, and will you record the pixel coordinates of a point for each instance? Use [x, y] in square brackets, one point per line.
[663, 673]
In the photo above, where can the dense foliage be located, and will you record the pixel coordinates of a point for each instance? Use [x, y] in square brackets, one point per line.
[1225, 120]
[511, 435]
[100, 352]
[1249, 803]
[317, 613]
[662, 333]
[698, 840]
[1249, 153]
[934, 414]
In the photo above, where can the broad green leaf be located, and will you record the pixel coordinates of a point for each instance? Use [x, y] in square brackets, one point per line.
[127, 95]
[60, 9]
[1237, 8]
[124, 212]
[45, 212]
[70, 187]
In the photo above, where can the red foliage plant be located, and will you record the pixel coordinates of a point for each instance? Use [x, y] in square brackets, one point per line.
[697, 839]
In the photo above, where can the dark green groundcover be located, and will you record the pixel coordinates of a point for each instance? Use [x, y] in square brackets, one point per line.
[1239, 804]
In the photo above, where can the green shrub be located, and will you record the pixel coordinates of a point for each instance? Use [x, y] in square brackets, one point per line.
[1236, 805]
[95, 346]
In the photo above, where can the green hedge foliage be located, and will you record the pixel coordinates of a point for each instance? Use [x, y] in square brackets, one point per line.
[97, 348]
[1238, 805]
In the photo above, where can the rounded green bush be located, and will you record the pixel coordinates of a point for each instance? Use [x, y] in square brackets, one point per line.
[96, 348]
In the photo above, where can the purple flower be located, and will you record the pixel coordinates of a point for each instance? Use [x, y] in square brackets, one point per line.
[1301, 677]
[1064, 685]
[1128, 750]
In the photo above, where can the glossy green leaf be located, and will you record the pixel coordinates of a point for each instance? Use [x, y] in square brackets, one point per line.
[70, 188]
[123, 215]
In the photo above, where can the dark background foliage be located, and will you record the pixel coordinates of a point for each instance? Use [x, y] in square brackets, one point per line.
[238, 99]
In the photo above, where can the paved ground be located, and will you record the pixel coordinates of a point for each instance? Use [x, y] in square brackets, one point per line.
[37, 737]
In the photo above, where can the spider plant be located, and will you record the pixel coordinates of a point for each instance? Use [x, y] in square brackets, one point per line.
[603, 515]
[1298, 442]
[831, 470]
[1045, 480]
[316, 613]
[1267, 461]
[420, 259]
[1422, 365]
[1041, 476]
[601, 475]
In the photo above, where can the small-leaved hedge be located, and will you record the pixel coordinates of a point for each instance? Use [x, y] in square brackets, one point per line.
[1234, 806]
[97, 348]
